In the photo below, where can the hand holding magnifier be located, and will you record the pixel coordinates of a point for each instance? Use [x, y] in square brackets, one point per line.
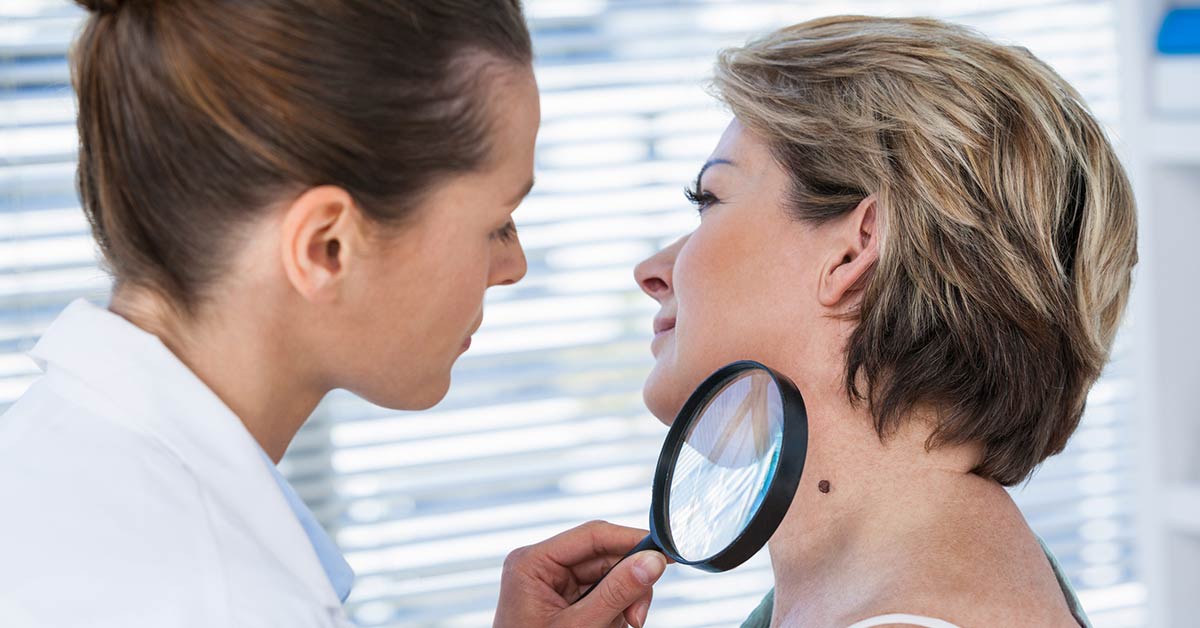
[728, 470]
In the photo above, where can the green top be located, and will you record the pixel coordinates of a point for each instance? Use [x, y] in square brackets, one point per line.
[761, 616]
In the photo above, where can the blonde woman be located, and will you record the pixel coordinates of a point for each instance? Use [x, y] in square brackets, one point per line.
[931, 235]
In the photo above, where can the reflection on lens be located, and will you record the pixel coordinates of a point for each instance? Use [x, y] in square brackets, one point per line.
[725, 466]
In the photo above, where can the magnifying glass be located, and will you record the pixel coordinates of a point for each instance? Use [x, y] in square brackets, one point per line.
[728, 470]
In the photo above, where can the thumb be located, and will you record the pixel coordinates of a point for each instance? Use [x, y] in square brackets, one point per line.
[629, 581]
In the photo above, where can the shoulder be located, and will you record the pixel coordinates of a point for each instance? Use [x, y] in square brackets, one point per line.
[94, 506]
[62, 451]
[760, 617]
[976, 577]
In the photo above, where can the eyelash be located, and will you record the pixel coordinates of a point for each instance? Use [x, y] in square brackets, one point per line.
[702, 199]
[507, 233]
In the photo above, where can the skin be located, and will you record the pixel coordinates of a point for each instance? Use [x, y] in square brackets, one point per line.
[901, 529]
[318, 297]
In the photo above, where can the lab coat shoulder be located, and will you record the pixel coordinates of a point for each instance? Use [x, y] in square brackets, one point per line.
[132, 497]
[105, 525]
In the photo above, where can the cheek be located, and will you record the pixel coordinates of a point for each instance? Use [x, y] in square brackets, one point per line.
[428, 302]
[706, 336]
[455, 291]
[745, 295]
[721, 291]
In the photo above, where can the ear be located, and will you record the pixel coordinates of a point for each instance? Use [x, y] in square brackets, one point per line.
[853, 255]
[316, 236]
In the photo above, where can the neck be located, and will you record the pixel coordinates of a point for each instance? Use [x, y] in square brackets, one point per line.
[247, 366]
[881, 508]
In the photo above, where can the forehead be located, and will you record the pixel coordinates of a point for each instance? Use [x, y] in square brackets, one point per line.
[730, 140]
[741, 146]
[749, 154]
[513, 107]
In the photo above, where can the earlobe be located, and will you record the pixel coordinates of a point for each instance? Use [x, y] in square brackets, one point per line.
[854, 256]
[313, 239]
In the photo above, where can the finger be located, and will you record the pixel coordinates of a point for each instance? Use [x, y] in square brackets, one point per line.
[592, 570]
[636, 614]
[628, 582]
[589, 572]
[595, 538]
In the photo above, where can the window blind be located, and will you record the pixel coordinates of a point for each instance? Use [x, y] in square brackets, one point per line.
[544, 427]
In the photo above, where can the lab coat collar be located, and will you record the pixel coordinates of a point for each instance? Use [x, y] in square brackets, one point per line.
[138, 382]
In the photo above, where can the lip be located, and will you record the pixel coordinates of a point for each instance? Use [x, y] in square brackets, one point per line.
[663, 324]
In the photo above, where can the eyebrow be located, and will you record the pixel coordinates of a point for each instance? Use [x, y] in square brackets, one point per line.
[708, 164]
[520, 197]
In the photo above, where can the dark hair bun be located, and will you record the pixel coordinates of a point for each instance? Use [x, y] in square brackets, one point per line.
[100, 6]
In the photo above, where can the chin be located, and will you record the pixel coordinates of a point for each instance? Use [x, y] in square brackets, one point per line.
[411, 398]
[661, 395]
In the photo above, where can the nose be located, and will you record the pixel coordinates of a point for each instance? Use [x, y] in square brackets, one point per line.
[654, 274]
[510, 267]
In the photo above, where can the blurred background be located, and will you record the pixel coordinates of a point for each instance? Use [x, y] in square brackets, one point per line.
[545, 427]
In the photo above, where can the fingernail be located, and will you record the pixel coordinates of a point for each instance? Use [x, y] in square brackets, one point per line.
[649, 567]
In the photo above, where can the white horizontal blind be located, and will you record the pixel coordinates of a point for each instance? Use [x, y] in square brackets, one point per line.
[544, 427]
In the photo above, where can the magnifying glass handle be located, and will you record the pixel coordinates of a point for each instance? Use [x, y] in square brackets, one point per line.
[645, 544]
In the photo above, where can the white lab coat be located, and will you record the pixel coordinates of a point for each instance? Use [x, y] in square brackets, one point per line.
[131, 496]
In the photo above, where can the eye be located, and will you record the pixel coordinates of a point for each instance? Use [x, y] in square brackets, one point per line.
[507, 233]
[701, 198]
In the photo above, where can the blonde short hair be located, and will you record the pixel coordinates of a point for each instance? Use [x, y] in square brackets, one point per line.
[1009, 226]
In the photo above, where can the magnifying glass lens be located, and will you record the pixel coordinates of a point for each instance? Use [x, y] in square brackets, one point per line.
[729, 468]
[723, 468]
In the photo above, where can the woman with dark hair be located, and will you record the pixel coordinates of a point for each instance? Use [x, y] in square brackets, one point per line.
[292, 196]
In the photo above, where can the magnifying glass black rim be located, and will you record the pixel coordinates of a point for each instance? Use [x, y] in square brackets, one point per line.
[780, 492]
